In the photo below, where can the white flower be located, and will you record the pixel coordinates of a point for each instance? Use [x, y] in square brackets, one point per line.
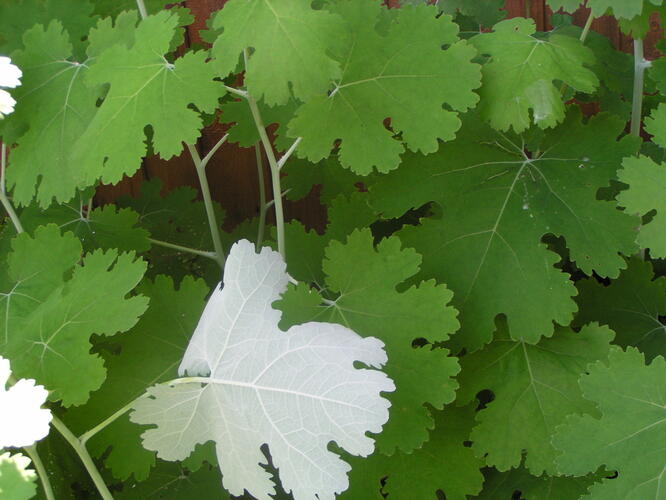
[9, 77]
[9, 74]
[22, 420]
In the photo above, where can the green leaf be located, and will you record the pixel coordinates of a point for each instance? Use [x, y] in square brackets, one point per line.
[523, 74]
[639, 26]
[485, 12]
[147, 354]
[655, 124]
[57, 106]
[172, 481]
[17, 16]
[334, 180]
[51, 305]
[566, 5]
[176, 217]
[621, 9]
[17, 482]
[244, 131]
[647, 182]
[442, 463]
[631, 305]
[290, 42]
[344, 215]
[629, 434]
[394, 67]
[372, 300]
[536, 385]
[104, 227]
[146, 90]
[504, 485]
[498, 203]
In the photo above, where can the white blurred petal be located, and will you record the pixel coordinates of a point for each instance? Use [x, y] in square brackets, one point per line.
[7, 103]
[9, 74]
[22, 419]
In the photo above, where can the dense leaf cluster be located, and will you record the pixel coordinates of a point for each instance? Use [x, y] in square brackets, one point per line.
[496, 247]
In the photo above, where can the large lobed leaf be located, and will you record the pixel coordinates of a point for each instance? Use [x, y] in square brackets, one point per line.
[393, 67]
[51, 306]
[295, 391]
[370, 296]
[17, 482]
[498, 202]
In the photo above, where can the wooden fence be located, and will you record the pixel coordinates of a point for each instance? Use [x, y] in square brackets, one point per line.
[232, 173]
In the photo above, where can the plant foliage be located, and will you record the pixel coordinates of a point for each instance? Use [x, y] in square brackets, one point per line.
[480, 313]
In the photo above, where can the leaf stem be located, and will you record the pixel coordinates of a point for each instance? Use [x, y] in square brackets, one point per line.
[586, 28]
[142, 9]
[275, 168]
[41, 471]
[238, 92]
[640, 64]
[208, 202]
[528, 9]
[83, 438]
[181, 248]
[85, 457]
[289, 152]
[3, 194]
[263, 207]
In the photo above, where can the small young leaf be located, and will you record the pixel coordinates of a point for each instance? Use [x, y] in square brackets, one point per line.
[647, 182]
[17, 482]
[295, 391]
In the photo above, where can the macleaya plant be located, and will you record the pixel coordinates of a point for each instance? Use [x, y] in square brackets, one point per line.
[480, 317]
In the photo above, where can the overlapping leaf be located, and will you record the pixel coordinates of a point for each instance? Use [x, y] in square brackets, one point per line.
[655, 124]
[17, 482]
[145, 90]
[443, 463]
[629, 435]
[631, 305]
[505, 485]
[366, 283]
[51, 306]
[647, 182]
[523, 75]
[393, 67]
[17, 16]
[149, 353]
[536, 385]
[290, 42]
[295, 391]
[498, 202]
[57, 106]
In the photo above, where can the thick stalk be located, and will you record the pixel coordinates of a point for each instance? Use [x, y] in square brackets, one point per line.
[528, 9]
[263, 207]
[275, 169]
[639, 75]
[181, 248]
[41, 471]
[3, 194]
[142, 9]
[208, 203]
[586, 28]
[85, 457]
